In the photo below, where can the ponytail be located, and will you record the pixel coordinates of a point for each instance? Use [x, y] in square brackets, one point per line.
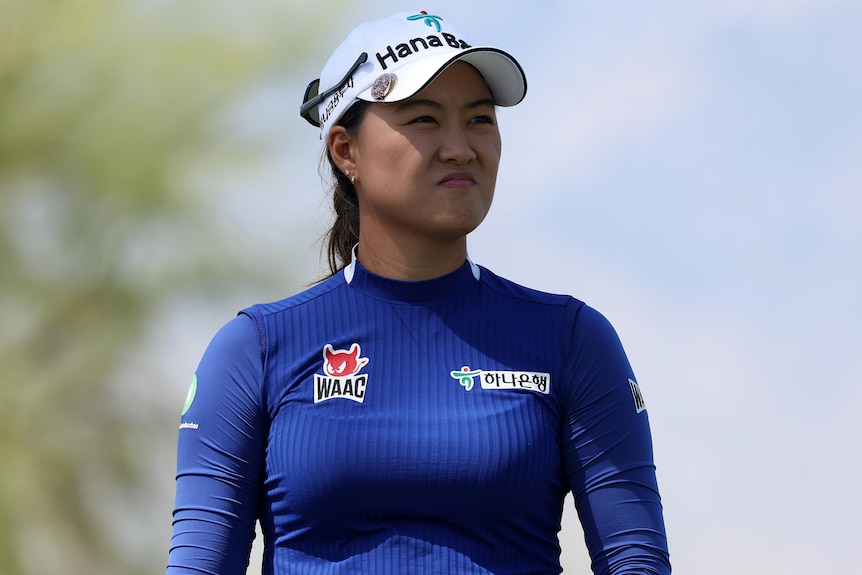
[344, 233]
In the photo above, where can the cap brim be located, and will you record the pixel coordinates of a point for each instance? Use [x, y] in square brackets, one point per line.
[502, 73]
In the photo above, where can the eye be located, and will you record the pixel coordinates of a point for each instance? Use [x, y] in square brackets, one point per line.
[483, 120]
[423, 120]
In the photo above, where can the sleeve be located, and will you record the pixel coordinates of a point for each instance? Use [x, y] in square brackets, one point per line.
[220, 454]
[608, 454]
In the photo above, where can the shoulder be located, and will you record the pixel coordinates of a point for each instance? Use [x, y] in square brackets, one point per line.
[507, 288]
[237, 344]
[324, 289]
[579, 319]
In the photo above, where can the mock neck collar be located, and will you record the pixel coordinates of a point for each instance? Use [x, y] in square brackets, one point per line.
[416, 292]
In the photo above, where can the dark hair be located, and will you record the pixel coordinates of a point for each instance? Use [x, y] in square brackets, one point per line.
[344, 233]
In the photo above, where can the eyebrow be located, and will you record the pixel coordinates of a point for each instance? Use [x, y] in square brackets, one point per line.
[421, 102]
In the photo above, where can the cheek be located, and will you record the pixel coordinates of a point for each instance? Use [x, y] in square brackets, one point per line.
[491, 150]
[395, 165]
[385, 154]
[492, 164]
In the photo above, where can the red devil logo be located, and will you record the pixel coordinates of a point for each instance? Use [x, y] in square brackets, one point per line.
[342, 363]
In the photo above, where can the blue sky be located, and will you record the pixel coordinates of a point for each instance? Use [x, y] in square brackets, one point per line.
[692, 171]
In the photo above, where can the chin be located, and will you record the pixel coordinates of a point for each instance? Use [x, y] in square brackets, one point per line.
[457, 230]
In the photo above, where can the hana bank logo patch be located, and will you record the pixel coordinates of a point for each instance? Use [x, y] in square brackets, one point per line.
[341, 377]
[494, 379]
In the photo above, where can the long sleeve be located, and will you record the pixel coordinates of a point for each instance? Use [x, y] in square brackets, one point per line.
[220, 457]
[609, 456]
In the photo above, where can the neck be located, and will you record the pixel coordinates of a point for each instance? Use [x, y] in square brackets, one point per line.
[409, 260]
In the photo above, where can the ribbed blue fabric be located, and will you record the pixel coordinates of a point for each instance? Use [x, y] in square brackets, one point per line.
[406, 465]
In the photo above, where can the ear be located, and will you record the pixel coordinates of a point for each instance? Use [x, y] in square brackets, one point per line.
[342, 148]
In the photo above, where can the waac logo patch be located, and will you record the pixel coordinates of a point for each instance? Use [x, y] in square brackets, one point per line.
[341, 377]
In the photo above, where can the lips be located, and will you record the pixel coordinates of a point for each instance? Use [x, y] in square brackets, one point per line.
[458, 180]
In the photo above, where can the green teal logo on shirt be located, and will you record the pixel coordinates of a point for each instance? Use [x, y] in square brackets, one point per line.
[190, 396]
[465, 376]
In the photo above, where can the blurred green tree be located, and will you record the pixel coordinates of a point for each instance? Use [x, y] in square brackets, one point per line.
[103, 106]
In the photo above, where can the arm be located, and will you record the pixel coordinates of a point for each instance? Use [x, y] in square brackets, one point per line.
[608, 455]
[220, 457]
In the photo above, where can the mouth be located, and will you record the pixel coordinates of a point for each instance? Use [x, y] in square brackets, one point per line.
[458, 180]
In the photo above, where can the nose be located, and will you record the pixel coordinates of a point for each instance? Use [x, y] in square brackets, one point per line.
[455, 145]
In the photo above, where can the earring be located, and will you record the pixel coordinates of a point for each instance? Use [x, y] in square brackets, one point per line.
[352, 178]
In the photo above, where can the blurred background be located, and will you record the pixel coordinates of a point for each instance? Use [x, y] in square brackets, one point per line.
[692, 171]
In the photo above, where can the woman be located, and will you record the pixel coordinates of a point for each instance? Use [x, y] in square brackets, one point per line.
[414, 413]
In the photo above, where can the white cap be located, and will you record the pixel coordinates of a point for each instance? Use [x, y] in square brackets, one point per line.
[391, 59]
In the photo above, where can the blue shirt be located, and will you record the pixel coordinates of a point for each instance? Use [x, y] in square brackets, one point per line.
[380, 426]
